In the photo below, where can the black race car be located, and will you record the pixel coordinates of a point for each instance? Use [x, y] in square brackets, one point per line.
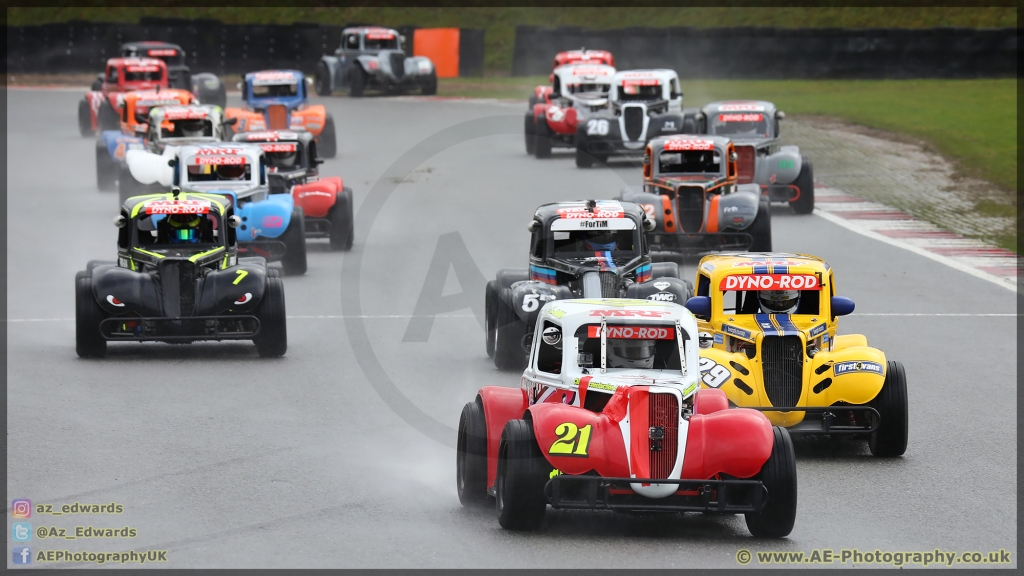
[582, 249]
[178, 279]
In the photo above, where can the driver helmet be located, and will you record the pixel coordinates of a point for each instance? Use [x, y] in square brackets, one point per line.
[192, 128]
[778, 301]
[230, 171]
[631, 354]
[184, 228]
[598, 240]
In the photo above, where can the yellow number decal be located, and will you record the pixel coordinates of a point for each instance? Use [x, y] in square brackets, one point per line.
[241, 274]
[572, 440]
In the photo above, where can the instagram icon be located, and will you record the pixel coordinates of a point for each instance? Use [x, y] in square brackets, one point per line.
[21, 508]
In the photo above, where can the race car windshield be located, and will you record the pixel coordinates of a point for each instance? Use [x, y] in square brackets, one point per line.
[142, 76]
[606, 247]
[690, 162]
[381, 43]
[275, 90]
[746, 302]
[744, 125]
[220, 173]
[178, 232]
[588, 88]
[639, 93]
[283, 160]
[187, 129]
[647, 347]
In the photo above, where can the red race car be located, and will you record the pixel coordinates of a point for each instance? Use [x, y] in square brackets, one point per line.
[577, 90]
[581, 56]
[611, 415]
[101, 109]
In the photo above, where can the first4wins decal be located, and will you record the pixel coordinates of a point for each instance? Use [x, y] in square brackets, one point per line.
[572, 440]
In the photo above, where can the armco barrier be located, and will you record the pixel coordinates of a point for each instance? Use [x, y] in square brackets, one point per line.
[211, 46]
[783, 52]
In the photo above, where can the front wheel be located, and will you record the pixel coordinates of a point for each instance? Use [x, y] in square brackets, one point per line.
[341, 221]
[327, 141]
[108, 119]
[89, 342]
[106, 170]
[804, 203]
[776, 518]
[294, 237]
[890, 438]
[471, 456]
[761, 228]
[272, 339]
[542, 138]
[322, 80]
[509, 333]
[356, 81]
[430, 87]
[528, 133]
[521, 476]
[85, 118]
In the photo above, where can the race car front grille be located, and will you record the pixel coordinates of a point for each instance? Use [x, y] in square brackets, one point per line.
[633, 118]
[277, 117]
[398, 64]
[690, 208]
[663, 419]
[609, 285]
[178, 287]
[745, 164]
[782, 363]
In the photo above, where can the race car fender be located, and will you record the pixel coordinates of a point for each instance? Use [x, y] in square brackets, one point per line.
[333, 64]
[736, 442]
[856, 376]
[316, 198]
[664, 125]
[658, 208]
[248, 121]
[780, 168]
[561, 120]
[500, 404]
[529, 296]
[370, 64]
[265, 219]
[311, 119]
[119, 290]
[239, 289]
[506, 277]
[95, 100]
[119, 144]
[542, 94]
[664, 289]
[418, 66]
[575, 440]
[848, 340]
[736, 210]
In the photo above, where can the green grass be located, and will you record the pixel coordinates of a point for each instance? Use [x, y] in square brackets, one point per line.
[499, 22]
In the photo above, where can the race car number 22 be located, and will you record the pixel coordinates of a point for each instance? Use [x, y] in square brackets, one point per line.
[572, 440]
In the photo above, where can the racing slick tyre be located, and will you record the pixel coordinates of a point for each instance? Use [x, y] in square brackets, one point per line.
[522, 472]
[272, 339]
[490, 316]
[430, 87]
[528, 133]
[471, 456]
[322, 80]
[890, 438]
[106, 169]
[508, 342]
[583, 159]
[84, 118]
[776, 518]
[127, 186]
[356, 81]
[542, 138]
[761, 228]
[804, 203]
[89, 343]
[342, 231]
[294, 237]
[327, 141]
[107, 118]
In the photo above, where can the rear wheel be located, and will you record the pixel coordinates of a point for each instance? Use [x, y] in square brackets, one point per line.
[341, 221]
[322, 80]
[106, 170]
[89, 343]
[761, 228]
[804, 204]
[776, 518]
[107, 119]
[327, 141]
[890, 438]
[509, 333]
[85, 118]
[528, 133]
[272, 339]
[521, 476]
[583, 159]
[542, 138]
[430, 87]
[490, 316]
[471, 456]
[294, 237]
[356, 81]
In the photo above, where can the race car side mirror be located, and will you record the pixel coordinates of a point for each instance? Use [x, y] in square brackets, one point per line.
[674, 95]
[650, 225]
[317, 161]
[172, 162]
[234, 221]
[533, 226]
[647, 159]
[842, 306]
[120, 221]
[734, 156]
[780, 115]
[238, 86]
[231, 121]
[700, 306]
[309, 81]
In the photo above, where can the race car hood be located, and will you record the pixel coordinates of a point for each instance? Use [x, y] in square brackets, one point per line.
[616, 378]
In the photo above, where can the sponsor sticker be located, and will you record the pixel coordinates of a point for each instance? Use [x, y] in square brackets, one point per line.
[719, 339]
[600, 211]
[641, 82]
[857, 366]
[379, 34]
[589, 224]
[274, 78]
[163, 52]
[188, 113]
[770, 282]
[221, 160]
[212, 151]
[663, 297]
[138, 68]
[282, 147]
[634, 332]
[739, 117]
[737, 332]
[631, 313]
[682, 144]
[741, 107]
[177, 207]
[818, 330]
[592, 71]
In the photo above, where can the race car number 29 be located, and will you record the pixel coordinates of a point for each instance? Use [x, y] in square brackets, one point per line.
[597, 127]
[713, 373]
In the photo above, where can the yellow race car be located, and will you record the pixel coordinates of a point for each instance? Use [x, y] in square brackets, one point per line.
[767, 324]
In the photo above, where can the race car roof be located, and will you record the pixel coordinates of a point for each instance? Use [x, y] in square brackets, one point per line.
[372, 30]
[133, 61]
[183, 112]
[681, 142]
[573, 313]
[253, 152]
[588, 56]
[590, 73]
[660, 74]
[135, 206]
[161, 98]
[274, 77]
[579, 210]
[746, 263]
[740, 106]
[273, 136]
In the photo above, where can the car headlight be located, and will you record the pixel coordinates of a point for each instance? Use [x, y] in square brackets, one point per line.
[425, 66]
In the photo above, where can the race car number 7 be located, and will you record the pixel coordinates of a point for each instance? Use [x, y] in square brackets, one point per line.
[597, 127]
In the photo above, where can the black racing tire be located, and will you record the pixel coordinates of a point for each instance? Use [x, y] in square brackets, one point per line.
[294, 238]
[520, 501]
[322, 80]
[805, 182]
[356, 81]
[890, 438]
[430, 87]
[272, 339]
[89, 343]
[85, 118]
[97, 84]
[531, 101]
[490, 316]
[341, 221]
[471, 457]
[106, 169]
[528, 133]
[127, 185]
[761, 228]
[583, 158]
[107, 118]
[509, 333]
[273, 273]
[327, 141]
[542, 138]
[776, 518]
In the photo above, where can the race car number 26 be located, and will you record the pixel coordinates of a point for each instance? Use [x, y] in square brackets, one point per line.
[713, 373]
[572, 440]
[597, 127]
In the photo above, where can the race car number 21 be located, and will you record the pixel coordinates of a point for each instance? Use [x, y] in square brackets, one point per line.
[597, 127]
[713, 373]
[572, 440]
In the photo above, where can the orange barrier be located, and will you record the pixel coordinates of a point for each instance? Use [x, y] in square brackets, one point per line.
[441, 45]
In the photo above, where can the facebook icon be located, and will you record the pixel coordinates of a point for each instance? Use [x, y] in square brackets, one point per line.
[21, 555]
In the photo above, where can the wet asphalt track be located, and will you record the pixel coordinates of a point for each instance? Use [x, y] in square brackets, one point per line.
[229, 460]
